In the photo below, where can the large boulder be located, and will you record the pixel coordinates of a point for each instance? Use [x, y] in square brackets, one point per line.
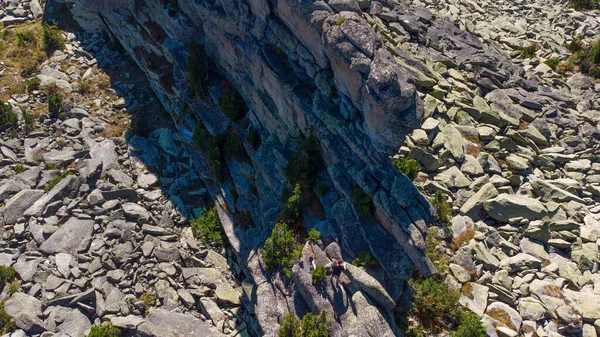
[165, 323]
[21, 201]
[508, 206]
[66, 188]
[74, 236]
[26, 311]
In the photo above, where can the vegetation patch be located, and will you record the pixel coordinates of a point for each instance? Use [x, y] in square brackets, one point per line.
[363, 202]
[435, 306]
[340, 21]
[281, 249]
[552, 62]
[529, 51]
[149, 301]
[463, 239]
[583, 4]
[321, 189]
[7, 117]
[52, 39]
[501, 316]
[19, 168]
[197, 64]
[33, 84]
[7, 324]
[318, 275]
[104, 330]
[54, 181]
[365, 259]
[55, 108]
[470, 326]
[408, 166]
[313, 235]
[311, 325]
[442, 206]
[293, 206]
[207, 228]
[232, 106]
[7, 274]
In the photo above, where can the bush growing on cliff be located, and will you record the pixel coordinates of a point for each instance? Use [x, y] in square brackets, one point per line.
[362, 202]
[207, 228]
[435, 306]
[281, 250]
[318, 275]
[365, 259]
[33, 84]
[311, 325]
[313, 235]
[408, 166]
[442, 207]
[294, 204]
[52, 40]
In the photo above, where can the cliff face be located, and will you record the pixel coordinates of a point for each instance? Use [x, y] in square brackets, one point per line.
[341, 68]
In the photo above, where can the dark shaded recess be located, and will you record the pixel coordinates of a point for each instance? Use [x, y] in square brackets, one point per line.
[160, 66]
[157, 33]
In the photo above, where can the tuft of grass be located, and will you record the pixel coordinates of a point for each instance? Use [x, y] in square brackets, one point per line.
[318, 275]
[149, 301]
[19, 168]
[207, 228]
[463, 239]
[442, 207]
[409, 167]
[365, 259]
[470, 326]
[52, 39]
[565, 67]
[52, 182]
[26, 38]
[51, 166]
[501, 316]
[55, 104]
[104, 330]
[7, 324]
[552, 62]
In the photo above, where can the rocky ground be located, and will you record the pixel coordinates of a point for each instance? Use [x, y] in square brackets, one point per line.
[522, 173]
[96, 226]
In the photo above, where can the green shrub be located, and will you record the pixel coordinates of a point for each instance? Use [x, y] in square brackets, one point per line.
[470, 326]
[313, 235]
[311, 325]
[588, 59]
[149, 301]
[7, 116]
[293, 207]
[52, 39]
[7, 324]
[280, 249]
[52, 182]
[583, 4]
[25, 37]
[442, 207]
[362, 201]
[365, 259]
[529, 51]
[54, 104]
[19, 167]
[409, 167]
[575, 45]
[552, 62]
[231, 106]
[297, 169]
[104, 330]
[321, 189]
[29, 119]
[211, 146]
[197, 64]
[7, 274]
[318, 275]
[435, 306]
[207, 228]
[290, 326]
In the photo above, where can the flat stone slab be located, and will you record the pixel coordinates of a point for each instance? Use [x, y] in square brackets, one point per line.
[74, 236]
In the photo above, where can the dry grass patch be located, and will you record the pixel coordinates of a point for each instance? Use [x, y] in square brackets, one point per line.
[503, 317]
[554, 291]
[463, 239]
[467, 290]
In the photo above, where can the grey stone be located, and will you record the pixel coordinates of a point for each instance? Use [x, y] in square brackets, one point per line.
[26, 311]
[73, 237]
[20, 202]
[66, 188]
[163, 323]
[506, 206]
